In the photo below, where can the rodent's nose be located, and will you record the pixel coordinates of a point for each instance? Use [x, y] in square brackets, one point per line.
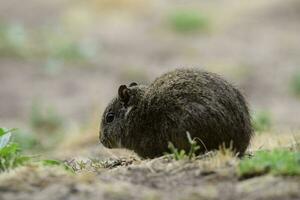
[101, 136]
[102, 140]
[105, 142]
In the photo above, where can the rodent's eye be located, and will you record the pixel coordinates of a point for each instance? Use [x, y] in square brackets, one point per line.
[110, 117]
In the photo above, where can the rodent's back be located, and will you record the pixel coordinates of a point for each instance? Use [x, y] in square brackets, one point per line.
[193, 101]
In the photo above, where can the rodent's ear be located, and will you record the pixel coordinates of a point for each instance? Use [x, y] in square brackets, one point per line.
[124, 94]
[133, 84]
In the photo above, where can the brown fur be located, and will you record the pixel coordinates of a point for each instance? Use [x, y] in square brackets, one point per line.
[146, 118]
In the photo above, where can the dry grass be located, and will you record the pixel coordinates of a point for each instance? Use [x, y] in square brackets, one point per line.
[268, 141]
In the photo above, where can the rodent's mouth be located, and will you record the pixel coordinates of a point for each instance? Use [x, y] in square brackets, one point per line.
[106, 143]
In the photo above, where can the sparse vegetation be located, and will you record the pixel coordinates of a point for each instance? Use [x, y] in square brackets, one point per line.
[54, 46]
[96, 164]
[180, 154]
[262, 121]
[56, 163]
[276, 162]
[78, 52]
[10, 153]
[13, 40]
[187, 21]
[295, 84]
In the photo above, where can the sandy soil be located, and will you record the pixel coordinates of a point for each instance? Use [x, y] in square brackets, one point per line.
[254, 44]
[159, 178]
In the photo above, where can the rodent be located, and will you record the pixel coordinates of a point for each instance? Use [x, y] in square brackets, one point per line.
[145, 118]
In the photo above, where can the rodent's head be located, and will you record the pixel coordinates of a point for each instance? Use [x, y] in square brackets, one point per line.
[115, 117]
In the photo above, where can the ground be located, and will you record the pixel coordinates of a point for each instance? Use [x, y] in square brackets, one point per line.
[253, 44]
[160, 178]
[122, 175]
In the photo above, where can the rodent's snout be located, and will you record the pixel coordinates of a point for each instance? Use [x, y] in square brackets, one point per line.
[105, 142]
[103, 139]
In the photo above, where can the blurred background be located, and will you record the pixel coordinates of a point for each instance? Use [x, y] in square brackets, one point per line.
[61, 61]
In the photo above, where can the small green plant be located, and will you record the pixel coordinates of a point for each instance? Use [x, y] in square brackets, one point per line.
[11, 157]
[295, 84]
[262, 121]
[10, 153]
[54, 163]
[177, 154]
[181, 154]
[186, 21]
[276, 162]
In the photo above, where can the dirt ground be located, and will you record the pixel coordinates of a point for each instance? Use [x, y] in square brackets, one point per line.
[254, 44]
[159, 178]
